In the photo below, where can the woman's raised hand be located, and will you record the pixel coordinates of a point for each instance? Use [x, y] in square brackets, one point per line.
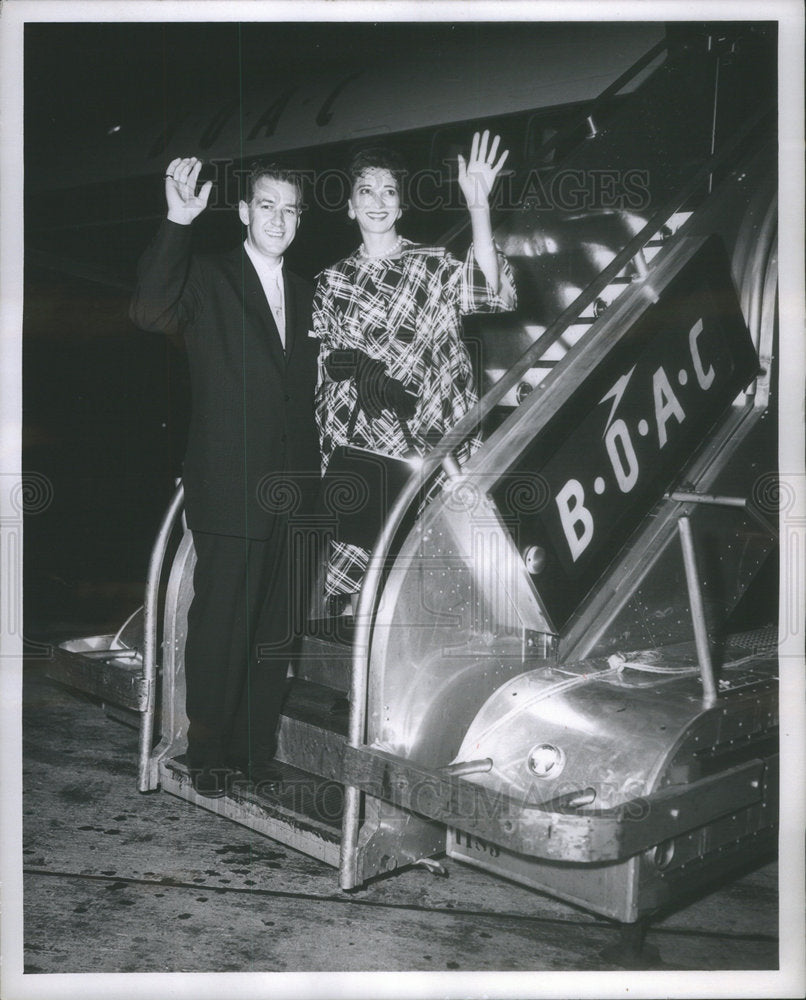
[477, 174]
[180, 190]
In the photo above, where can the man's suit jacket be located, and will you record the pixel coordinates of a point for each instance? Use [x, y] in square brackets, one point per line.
[252, 443]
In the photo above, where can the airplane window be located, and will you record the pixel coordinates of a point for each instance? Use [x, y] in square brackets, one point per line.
[538, 133]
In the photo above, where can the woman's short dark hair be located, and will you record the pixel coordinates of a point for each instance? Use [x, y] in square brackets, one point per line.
[273, 172]
[377, 158]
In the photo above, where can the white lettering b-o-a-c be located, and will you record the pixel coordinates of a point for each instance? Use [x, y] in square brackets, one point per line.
[576, 519]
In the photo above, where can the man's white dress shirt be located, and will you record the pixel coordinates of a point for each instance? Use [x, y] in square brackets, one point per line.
[271, 278]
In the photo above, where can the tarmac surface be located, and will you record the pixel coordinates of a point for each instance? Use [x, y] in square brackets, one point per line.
[120, 882]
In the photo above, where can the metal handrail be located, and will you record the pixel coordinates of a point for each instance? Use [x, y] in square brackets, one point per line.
[145, 780]
[441, 455]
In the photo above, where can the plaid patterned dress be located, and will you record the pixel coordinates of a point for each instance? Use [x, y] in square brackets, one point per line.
[405, 311]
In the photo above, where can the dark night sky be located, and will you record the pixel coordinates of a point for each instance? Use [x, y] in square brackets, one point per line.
[80, 78]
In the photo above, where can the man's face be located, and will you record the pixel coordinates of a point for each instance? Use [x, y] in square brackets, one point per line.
[272, 216]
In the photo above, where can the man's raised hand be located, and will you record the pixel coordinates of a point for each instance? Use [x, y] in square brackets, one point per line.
[180, 190]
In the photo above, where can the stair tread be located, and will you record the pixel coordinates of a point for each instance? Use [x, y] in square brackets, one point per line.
[303, 795]
[317, 704]
[326, 657]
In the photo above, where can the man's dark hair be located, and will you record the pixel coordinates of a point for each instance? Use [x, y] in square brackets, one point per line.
[273, 172]
[377, 158]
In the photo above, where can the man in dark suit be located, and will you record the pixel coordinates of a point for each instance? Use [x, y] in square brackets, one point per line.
[252, 460]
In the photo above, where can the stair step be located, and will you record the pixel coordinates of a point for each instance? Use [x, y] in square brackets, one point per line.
[312, 702]
[316, 705]
[313, 728]
[90, 665]
[327, 655]
[305, 814]
[314, 799]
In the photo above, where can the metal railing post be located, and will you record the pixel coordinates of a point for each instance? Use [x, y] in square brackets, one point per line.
[146, 780]
[709, 693]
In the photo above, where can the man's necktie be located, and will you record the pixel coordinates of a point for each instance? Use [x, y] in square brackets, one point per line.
[275, 297]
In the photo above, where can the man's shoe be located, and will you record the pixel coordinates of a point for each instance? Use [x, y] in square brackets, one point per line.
[210, 781]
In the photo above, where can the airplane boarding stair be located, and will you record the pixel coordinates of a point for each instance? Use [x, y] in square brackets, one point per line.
[542, 676]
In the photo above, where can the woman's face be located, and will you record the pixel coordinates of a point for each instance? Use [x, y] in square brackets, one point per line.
[375, 201]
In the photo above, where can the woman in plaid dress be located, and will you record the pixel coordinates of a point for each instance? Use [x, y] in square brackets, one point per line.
[389, 319]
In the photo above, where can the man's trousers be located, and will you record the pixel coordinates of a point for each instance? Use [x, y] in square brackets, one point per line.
[244, 625]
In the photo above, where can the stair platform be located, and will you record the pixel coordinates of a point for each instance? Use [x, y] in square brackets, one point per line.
[305, 814]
